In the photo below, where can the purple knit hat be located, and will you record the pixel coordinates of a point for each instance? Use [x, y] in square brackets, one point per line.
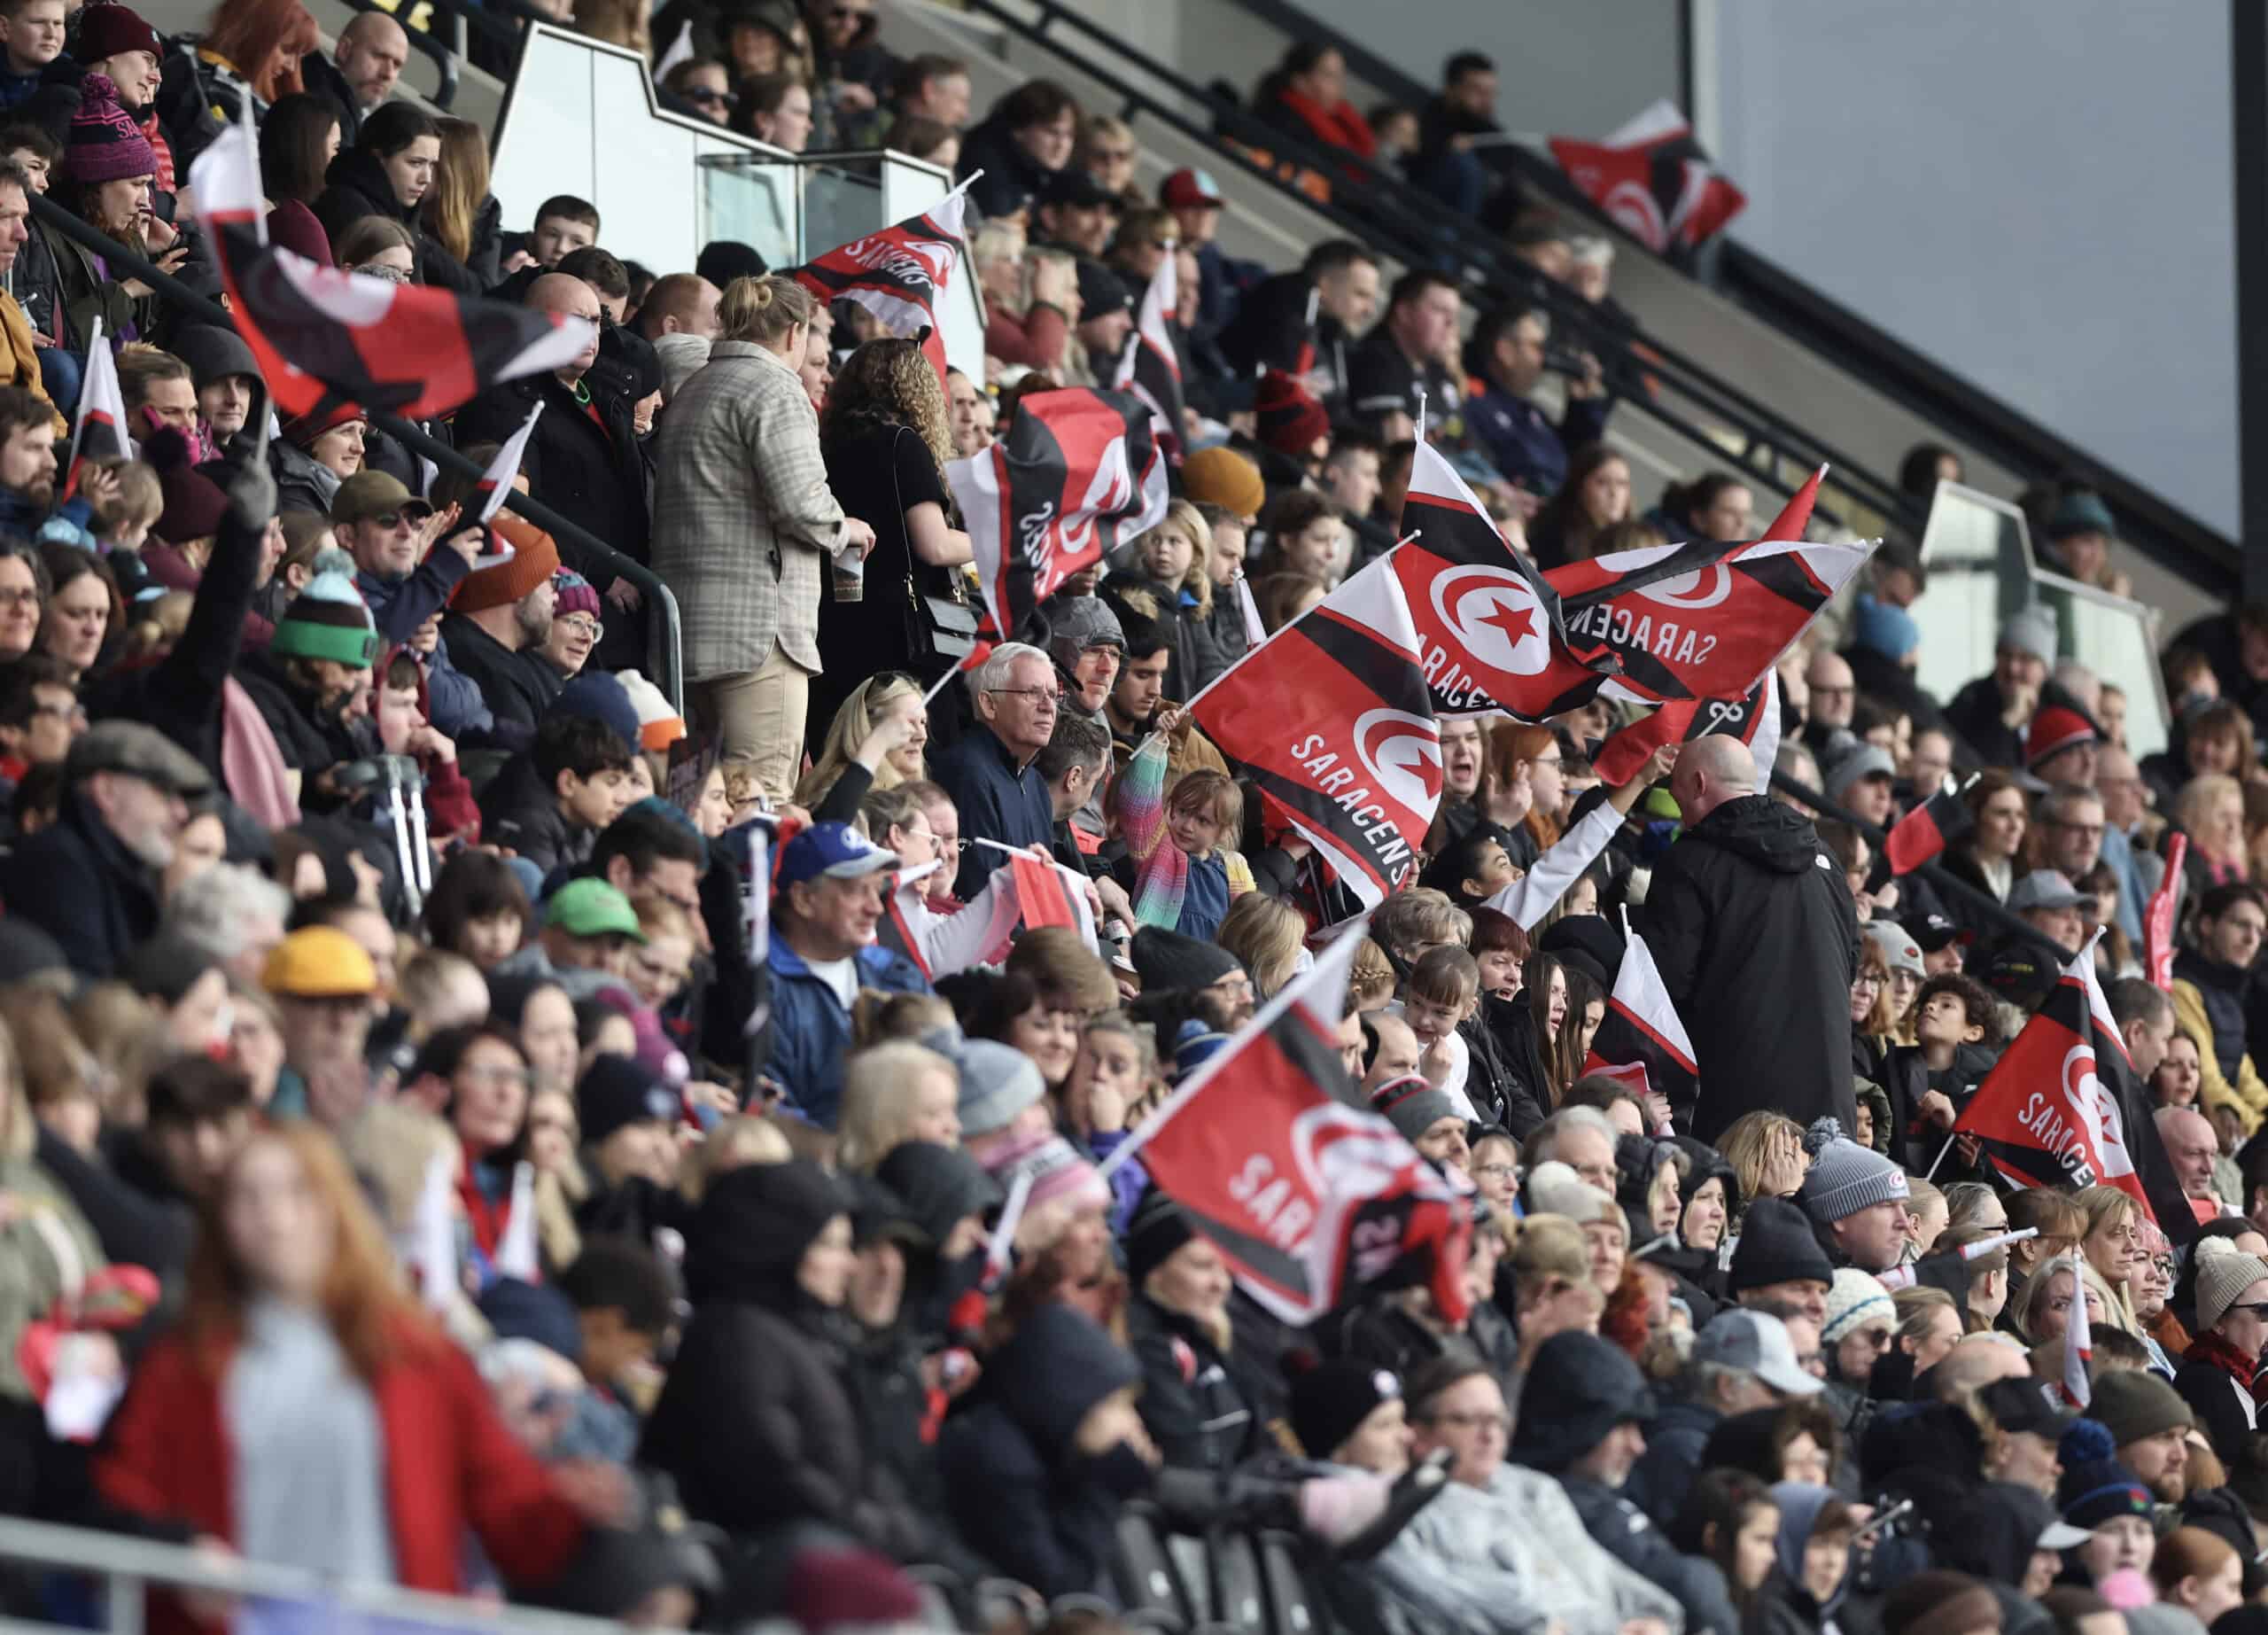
[105, 144]
[574, 594]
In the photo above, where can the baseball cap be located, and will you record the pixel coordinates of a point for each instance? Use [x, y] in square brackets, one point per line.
[2022, 1404]
[1190, 187]
[1755, 1342]
[2043, 888]
[1074, 187]
[835, 850]
[373, 494]
[1933, 930]
[139, 751]
[1897, 948]
[591, 908]
[319, 961]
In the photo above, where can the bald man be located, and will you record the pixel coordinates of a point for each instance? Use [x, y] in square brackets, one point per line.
[680, 304]
[569, 297]
[1757, 942]
[372, 52]
[2191, 1145]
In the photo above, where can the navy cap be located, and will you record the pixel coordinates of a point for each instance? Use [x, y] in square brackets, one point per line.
[835, 850]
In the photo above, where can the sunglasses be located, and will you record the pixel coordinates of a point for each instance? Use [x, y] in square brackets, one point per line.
[713, 98]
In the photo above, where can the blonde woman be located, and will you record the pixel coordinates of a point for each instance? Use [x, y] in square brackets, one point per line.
[2112, 1242]
[1269, 936]
[743, 516]
[459, 210]
[2210, 811]
[733, 1145]
[1767, 1152]
[886, 439]
[881, 730]
[895, 1093]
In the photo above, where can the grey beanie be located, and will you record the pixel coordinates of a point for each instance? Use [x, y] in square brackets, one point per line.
[1845, 1177]
[2222, 1275]
[2031, 630]
[1164, 959]
[996, 1082]
[1075, 624]
[1411, 1105]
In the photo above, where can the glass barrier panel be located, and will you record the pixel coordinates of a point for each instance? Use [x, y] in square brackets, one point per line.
[753, 201]
[2115, 637]
[1979, 565]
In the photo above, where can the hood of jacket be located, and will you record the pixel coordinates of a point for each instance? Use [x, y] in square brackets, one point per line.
[1579, 1388]
[749, 1234]
[359, 168]
[1800, 1503]
[1055, 1369]
[1764, 831]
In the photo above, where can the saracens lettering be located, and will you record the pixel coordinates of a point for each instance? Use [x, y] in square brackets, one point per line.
[1665, 639]
[2052, 1125]
[1278, 1210]
[1344, 786]
[1452, 682]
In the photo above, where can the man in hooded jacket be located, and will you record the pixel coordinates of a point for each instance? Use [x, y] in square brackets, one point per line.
[1757, 940]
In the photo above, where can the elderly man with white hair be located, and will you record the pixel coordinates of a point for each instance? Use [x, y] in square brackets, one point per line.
[989, 771]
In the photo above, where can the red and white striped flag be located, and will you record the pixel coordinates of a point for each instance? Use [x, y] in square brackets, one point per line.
[1151, 368]
[2079, 1342]
[1642, 1029]
[898, 274]
[100, 432]
[496, 481]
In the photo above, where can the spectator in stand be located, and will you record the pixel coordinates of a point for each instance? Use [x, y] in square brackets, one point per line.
[564, 224]
[776, 108]
[1025, 139]
[299, 141]
[2212, 972]
[1506, 350]
[2216, 1376]
[702, 86]
[21, 363]
[250, 47]
[1398, 367]
[584, 460]
[887, 443]
[89, 880]
[1715, 506]
[1739, 910]
[496, 625]
[31, 34]
[1594, 498]
[1073, 214]
[108, 165]
[988, 771]
[1105, 319]
[83, 607]
[459, 212]
[373, 50]
[1992, 712]
[744, 524]
[827, 895]
[1271, 328]
[388, 172]
[1444, 165]
[1106, 151]
[680, 304]
[1305, 96]
[1195, 198]
[1030, 303]
[404, 570]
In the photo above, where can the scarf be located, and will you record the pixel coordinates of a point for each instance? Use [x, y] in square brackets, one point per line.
[1337, 126]
[250, 763]
[2212, 1349]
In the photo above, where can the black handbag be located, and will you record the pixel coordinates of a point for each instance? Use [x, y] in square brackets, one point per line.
[940, 630]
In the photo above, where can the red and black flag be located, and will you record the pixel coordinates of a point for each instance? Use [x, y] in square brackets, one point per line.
[2064, 1106]
[1642, 1031]
[1331, 720]
[1151, 368]
[1653, 179]
[100, 432]
[1312, 1200]
[1704, 620]
[1753, 718]
[1489, 630]
[898, 274]
[1077, 473]
[1927, 831]
[323, 336]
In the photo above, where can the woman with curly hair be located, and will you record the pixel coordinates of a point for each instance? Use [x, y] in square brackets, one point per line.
[886, 438]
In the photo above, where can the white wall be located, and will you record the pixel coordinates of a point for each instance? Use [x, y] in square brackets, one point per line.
[2034, 193]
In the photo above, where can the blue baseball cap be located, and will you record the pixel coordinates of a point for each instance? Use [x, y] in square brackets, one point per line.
[835, 850]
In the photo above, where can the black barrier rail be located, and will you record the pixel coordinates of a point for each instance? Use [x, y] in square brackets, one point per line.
[1632, 357]
[662, 606]
[1986, 906]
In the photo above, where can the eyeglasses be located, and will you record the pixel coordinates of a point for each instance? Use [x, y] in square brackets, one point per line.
[1834, 692]
[497, 1076]
[714, 98]
[396, 519]
[587, 625]
[72, 711]
[1035, 696]
[2092, 831]
[1495, 1172]
[2258, 1308]
[18, 598]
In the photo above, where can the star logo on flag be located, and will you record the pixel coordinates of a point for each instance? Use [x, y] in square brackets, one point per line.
[1495, 617]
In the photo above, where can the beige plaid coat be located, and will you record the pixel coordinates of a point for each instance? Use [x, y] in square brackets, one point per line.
[743, 515]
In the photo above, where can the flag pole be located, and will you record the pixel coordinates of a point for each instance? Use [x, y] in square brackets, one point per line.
[938, 686]
[1951, 1137]
[78, 420]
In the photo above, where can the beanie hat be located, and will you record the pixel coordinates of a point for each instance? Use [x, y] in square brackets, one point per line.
[2031, 630]
[1165, 959]
[2080, 511]
[1884, 627]
[2222, 1275]
[194, 504]
[998, 1081]
[104, 144]
[1329, 1400]
[848, 1588]
[1290, 418]
[1845, 1177]
[658, 725]
[328, 619]
[1159, 1229]
[1058, 1174]
[1554, 1188]
[1411, 1105]
[1221, 476]
[571, 593]
[596, 696]
[2131, 1405]
[2096, 1487]
[301, 431]
[533, 561]
[2054, 728]
[1855, 1299]
[616, 1093]
[1194, 1044]
[112, 30]
[319, 961]
[1776, 1245]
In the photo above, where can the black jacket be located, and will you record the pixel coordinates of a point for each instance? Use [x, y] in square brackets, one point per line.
[76, 881]
[1757, 941]
[1974, 716]
[1192, 1404]
[356, 185]
[311, 744]
[1270, 327]
[517, 686]
[518, 810]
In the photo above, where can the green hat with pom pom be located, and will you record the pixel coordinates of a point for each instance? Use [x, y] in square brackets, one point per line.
[328, 620]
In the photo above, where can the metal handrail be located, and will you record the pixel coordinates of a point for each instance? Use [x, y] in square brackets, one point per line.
[658, 596]
[1504, 274]
[127, 1564]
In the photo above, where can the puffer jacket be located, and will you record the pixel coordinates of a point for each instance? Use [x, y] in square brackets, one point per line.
[811, 1028]
[2208, 1004]
[1192, 1403]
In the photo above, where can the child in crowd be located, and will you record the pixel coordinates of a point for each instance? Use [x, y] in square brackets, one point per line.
[1958, 1032]
[582, 773]
[1171, 565]
[1184, 877]
[398, 704]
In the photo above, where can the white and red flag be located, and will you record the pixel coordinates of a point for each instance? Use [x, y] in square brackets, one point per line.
[1311, 1198]
[1642, 1031]
[1653, 179]
[899, 274]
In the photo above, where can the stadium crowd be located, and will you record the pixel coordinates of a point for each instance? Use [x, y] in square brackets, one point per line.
[494, 1203]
